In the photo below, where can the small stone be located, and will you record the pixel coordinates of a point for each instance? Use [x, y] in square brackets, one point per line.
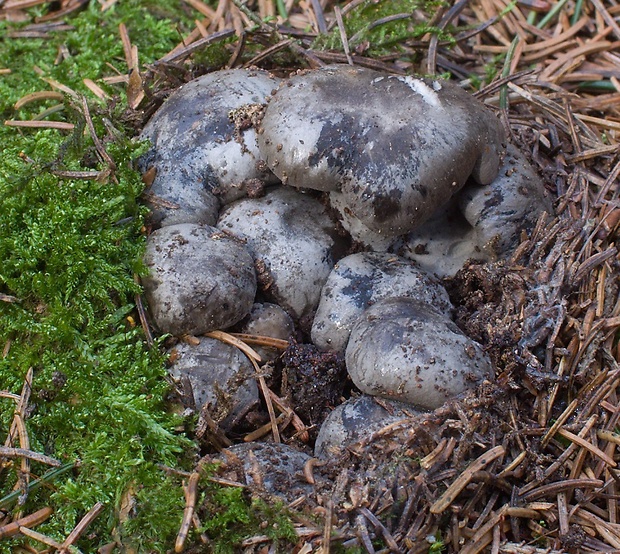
[199, 279]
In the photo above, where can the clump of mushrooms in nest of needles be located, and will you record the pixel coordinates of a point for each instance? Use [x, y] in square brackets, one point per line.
[328, 205]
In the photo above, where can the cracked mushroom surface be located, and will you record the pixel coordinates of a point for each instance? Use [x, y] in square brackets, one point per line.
[396, 147]
[204, 146]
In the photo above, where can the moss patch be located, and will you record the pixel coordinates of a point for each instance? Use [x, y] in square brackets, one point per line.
[69, 250]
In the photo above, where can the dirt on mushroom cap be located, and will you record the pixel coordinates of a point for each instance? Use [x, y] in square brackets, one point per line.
[396, 147]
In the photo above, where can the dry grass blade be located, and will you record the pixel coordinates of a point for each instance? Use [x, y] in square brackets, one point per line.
[22, 4]
[194, 46]
[105, 157]
[464, 478]
[343, 35]
[37, 96]
[588, 446]
[60, 125]
[259, 340]
[31, 520]
[79, 529]
[39, 537]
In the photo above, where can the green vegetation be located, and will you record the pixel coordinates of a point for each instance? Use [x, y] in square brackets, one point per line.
[69, 249]
[234, 517]
[377, 28]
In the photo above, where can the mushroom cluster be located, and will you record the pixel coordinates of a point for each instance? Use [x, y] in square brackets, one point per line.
[334, 200]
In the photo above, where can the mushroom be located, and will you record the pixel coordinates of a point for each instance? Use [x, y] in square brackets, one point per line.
[221, 377]
[204, 146]
[441, 245]
[510, 205]
[354, 420]
[199, 280]
[370, 239]
[360, 280]
[483, 223]
[396, 147]
[290, 237]
[273, 468]
[402, 350]
[268, 320]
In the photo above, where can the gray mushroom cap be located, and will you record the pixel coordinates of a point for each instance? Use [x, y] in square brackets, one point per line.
[220, 375]
[377, 242]
[355, 420]
[268, 320]
[401, 350]
[291, 239]
[276, 468]
[512, 203]
[199, 279]
[396, 147]
[204, 145]
[482, 223]
[443, 244]
[362, 279]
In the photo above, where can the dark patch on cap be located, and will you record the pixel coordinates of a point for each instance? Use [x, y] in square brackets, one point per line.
[358, 289]
[493, 201]
[336, 145]
[385, 206]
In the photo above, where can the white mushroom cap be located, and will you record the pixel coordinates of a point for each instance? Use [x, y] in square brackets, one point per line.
[396, 147]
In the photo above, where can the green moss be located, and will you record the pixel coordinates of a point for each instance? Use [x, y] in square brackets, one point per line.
[233, 517]
[69, 249]
[363, 24]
